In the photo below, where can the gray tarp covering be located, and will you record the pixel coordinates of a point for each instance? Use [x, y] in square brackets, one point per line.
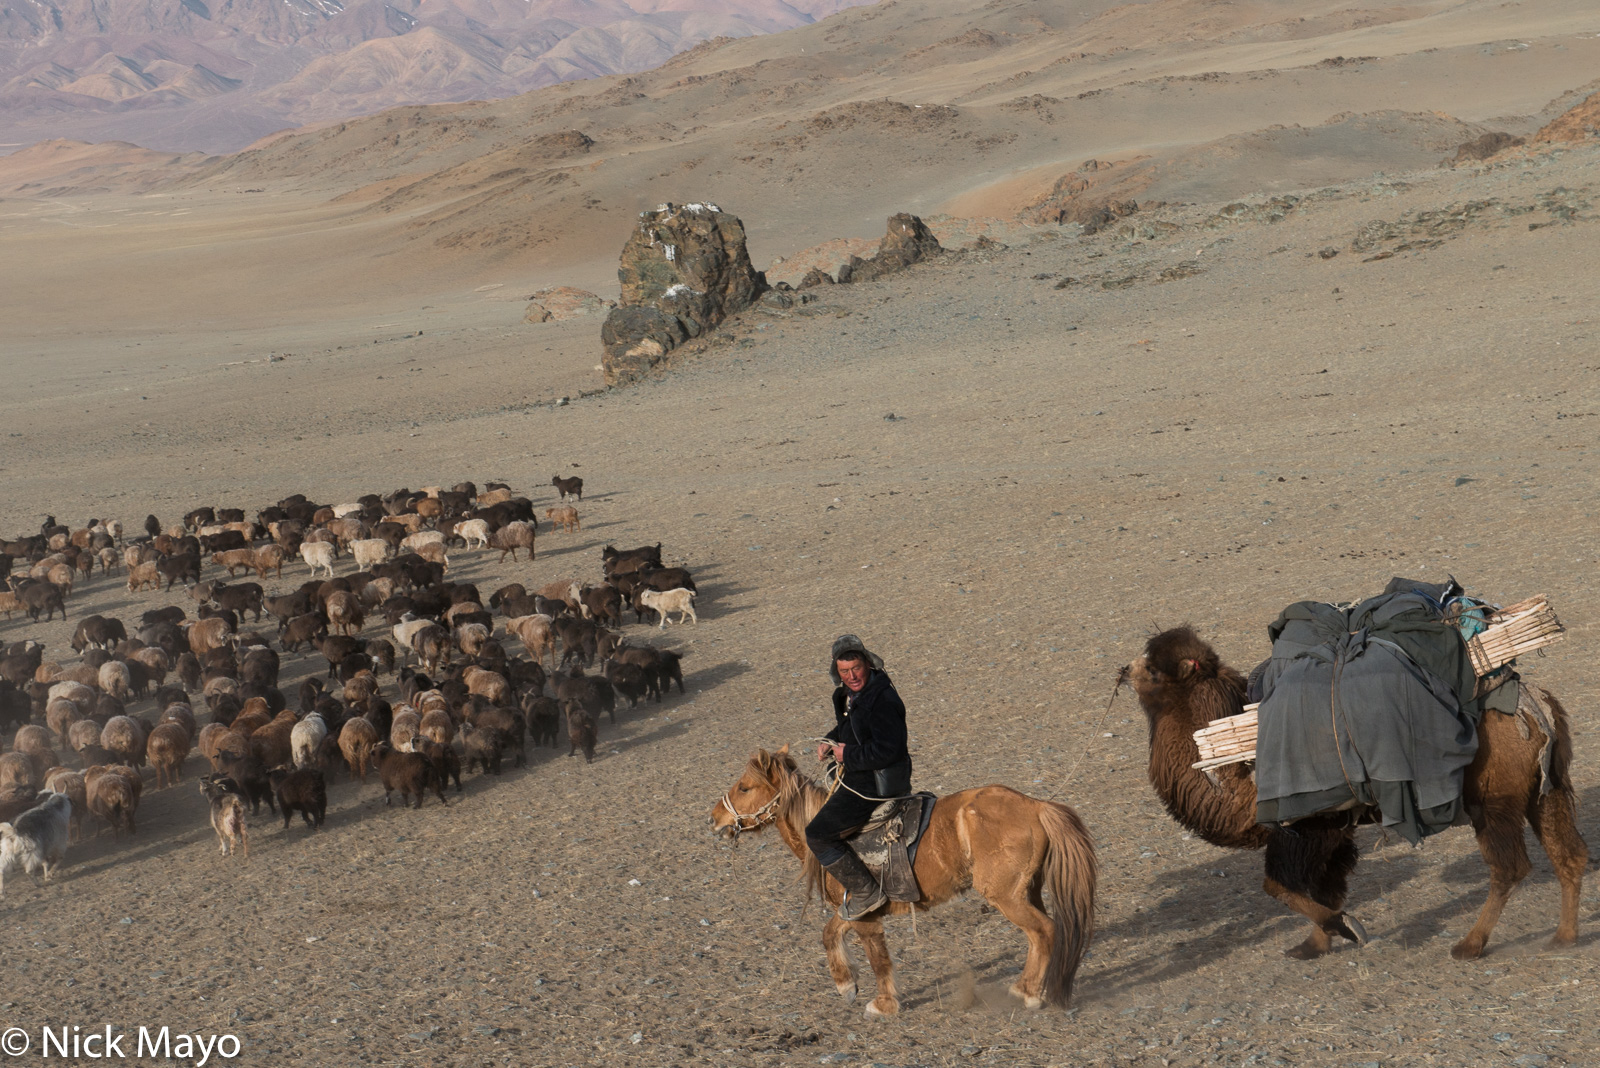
[1366, 705]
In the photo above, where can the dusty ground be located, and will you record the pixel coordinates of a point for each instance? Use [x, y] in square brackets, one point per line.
[1068, 466]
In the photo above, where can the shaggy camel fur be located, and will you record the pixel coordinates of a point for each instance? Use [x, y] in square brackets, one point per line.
[1006, 845]
[1183, 685]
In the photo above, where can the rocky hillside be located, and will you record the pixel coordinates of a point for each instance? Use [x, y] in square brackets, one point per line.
[215, 75]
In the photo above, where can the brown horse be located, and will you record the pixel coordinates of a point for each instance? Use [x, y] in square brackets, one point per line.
[1004, 844]
[1183, 686]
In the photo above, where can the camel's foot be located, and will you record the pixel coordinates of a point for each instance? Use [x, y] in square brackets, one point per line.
[1469, 948]
[883, 1005]
[1347, 926]
[847, 990]
[1316, 944]
[1560, 939]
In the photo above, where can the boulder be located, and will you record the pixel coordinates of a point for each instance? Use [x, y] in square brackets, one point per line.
[559, 303]
[908, 241]
[683, 271]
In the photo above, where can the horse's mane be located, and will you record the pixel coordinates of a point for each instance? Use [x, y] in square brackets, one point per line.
[799, 799]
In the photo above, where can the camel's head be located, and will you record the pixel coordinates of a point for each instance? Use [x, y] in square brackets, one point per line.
[1173, 662]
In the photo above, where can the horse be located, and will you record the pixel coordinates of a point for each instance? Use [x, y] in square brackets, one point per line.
[1004, 844]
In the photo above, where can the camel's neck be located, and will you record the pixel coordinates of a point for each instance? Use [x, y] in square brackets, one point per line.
[1222, 813]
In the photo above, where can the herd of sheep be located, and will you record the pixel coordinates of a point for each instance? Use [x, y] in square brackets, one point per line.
[462, 695]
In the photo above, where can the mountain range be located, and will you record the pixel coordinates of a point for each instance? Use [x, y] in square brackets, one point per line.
[215, 75]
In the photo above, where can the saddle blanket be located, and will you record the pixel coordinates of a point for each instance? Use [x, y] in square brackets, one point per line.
[887, 845]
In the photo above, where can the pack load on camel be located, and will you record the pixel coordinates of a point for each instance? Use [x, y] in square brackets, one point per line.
[1494, 750]
[1375, 705]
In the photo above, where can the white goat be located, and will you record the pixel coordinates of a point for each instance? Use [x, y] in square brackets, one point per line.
[37, 839]
[679, 600]
[475, 532]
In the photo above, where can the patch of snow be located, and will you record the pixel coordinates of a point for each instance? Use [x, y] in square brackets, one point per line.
[672, 253]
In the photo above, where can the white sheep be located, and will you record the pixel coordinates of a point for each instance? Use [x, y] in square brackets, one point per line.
[340, 511]
[305, 740]
[413, 542]
[37, 840]
[679, 600]
[475, 532]
[368, 552]
[319, 554]
[115, 679]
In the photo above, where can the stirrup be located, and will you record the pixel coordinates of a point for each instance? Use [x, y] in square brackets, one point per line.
[849, 912]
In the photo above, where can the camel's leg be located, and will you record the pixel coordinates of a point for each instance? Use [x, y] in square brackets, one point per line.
[1500, 841]
[1309, 871]
[1555, 820]
[870, 933]
[844, 975]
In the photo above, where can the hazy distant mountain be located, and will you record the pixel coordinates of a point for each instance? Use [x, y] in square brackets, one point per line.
[215, 75]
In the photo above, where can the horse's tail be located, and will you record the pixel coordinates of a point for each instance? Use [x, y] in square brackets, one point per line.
[1069, 871]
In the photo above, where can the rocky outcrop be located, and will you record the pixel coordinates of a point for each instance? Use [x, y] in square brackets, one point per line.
[1481, 148]
[908, 241]
[559, 303]
[684, 270]
[1578, 123]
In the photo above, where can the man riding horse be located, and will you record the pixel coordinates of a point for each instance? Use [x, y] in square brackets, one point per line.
[868, 745]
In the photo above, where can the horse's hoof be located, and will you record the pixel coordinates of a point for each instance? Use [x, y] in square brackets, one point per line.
[888, 1008]
[847, 991]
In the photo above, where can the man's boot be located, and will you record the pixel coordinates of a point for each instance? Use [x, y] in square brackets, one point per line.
[862, 892]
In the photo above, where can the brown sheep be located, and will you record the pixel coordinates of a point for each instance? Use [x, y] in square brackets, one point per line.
[344, 612]
[124, 736]
[235, 560]
[167, 749]
[249, 720]
[511, 537]
[182, 715]
[272, 744]
[268, 558]
[208, 634]
[113, 793]
[437, 726]
[536, 636]
[18, 775]
[211, 738]
[403, 729]
[490, 684]
[60, 714]
[356, 739]
[155, 661]
[82, 732]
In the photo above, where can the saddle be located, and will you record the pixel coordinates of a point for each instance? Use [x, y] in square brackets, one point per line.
[887, 845]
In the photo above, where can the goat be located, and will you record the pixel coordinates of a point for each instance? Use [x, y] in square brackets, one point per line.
[568, 486]
[227, 814]
[302, 790]
[37, 839]
[409, 773]
[680, 601]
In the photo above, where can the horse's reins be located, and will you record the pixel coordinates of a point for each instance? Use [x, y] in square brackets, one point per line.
[761, 817]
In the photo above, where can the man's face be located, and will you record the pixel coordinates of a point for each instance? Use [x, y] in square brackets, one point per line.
[853, 673]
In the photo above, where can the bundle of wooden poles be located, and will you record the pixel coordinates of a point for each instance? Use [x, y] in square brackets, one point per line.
[1512, 631]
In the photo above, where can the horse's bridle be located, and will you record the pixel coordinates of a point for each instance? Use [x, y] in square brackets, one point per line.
[762, 816]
